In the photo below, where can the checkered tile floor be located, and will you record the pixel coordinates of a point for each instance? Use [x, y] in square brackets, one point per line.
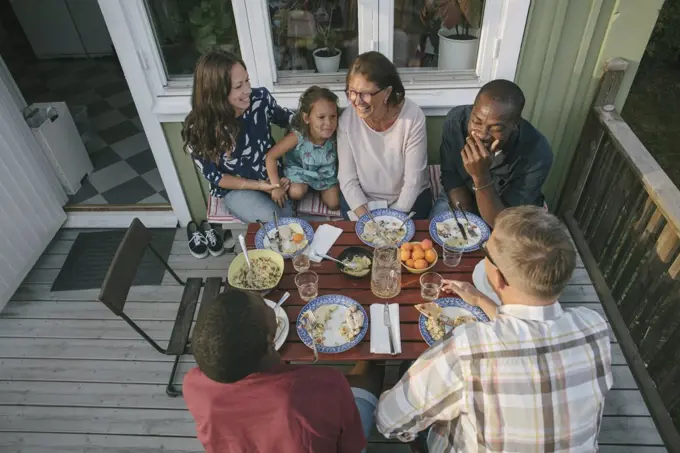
[124, 168]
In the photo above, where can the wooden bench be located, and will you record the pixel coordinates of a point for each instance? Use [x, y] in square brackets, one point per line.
[310, 205]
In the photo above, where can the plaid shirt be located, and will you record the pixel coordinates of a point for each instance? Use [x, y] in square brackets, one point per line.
[533, 380]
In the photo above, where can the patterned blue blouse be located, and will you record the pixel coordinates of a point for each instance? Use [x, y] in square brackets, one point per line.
[252, 144]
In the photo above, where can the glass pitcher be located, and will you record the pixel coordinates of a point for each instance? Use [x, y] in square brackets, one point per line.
[386, 272]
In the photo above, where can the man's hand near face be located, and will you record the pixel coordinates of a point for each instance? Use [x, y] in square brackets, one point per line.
[477, 159]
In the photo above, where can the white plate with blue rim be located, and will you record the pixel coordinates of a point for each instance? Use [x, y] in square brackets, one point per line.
[388, 220]
[282, 324]
[290, 229]
[453, 308]
[444, 231]
[332, 333]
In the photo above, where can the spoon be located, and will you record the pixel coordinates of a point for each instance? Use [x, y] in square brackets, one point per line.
[285, 297]
[409, 217]
[242, 241]
[323, 255]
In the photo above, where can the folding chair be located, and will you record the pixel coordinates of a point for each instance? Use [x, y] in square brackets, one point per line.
[117, 285]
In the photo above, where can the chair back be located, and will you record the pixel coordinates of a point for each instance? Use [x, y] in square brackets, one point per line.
[124, 266]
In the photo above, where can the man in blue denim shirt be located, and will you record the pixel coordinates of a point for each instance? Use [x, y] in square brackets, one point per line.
[492, 158]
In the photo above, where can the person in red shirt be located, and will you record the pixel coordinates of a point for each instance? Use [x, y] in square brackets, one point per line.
[244, 399]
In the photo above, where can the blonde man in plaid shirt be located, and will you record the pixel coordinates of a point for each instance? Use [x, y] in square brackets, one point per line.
[533, 379]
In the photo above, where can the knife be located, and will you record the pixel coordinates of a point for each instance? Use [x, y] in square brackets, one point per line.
[277, 237]
[453, 211]
[472, 231]
[388, 322]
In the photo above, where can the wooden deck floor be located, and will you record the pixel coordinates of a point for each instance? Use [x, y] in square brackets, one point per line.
[75, 378]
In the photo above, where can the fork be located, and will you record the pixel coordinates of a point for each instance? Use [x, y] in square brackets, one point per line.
[309, 321]
[378, 227]
[468, 227]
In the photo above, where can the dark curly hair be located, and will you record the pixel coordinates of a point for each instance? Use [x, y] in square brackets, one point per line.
[211, 126]
[230, 336]
[307, 100]
[377, 68]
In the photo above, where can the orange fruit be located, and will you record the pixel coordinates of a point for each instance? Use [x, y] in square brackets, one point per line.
[426, 244]
[405, 255]
[407, 246]
[421, 264]
[418, 254]
[297, 238]
[410, 263]
[430, 256]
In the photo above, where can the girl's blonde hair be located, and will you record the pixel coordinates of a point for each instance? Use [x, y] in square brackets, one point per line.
[307, 101]
[211, 126]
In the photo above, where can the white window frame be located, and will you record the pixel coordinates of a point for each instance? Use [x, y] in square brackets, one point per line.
[499, 47]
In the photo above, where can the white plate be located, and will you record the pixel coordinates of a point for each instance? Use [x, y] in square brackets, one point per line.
[481, 282]
[282, 330]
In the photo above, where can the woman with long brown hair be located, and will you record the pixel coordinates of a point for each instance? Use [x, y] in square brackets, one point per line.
[228, 134]
[382, 142]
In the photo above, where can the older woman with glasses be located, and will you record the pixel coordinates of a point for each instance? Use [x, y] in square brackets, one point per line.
[382, 142]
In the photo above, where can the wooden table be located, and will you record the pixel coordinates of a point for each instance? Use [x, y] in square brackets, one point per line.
[331, 281]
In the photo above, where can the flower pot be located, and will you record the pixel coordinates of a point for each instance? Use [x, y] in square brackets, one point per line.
[325, 64]
[456, 53]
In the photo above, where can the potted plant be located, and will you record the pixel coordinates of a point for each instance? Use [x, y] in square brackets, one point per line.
[326, 55]
[459, 35]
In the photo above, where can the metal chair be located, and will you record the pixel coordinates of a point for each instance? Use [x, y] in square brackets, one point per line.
[119, 279]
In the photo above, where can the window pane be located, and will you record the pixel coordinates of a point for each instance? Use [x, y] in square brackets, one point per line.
[437, 34]
[185, 29]
[313, 36]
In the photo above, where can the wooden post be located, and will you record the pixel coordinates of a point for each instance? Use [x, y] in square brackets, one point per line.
[581, 166]
[614, 70]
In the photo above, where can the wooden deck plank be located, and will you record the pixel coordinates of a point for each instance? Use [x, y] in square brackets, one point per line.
[152, 396]
[176, 423]
[141, 372]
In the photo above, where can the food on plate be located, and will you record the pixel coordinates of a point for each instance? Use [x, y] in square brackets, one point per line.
[292, 237]
[265, 274]
[450, 234]
[429, 309]
[418, 255]
[385, 232]
[436, 321]
[361, 265]
[354, 321]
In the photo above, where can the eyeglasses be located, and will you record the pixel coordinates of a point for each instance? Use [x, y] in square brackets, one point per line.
[485, 251]
[365, 96]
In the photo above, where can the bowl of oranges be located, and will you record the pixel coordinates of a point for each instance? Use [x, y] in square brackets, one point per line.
[418, 257]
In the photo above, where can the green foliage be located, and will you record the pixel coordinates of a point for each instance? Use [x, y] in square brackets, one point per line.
[212, 23]
[664, 44]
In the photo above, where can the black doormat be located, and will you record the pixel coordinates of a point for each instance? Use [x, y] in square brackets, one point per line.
[91, 254]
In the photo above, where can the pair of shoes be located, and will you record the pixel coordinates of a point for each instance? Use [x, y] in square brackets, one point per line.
[204, 240]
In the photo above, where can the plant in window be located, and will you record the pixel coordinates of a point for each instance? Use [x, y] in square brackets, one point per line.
[327, 55]
[212, 24]
[458, 40]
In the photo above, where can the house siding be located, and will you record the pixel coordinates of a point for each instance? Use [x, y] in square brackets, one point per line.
[565, 46]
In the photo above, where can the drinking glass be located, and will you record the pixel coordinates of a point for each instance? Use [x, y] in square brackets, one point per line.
[301, 261]
[308, 285]
[451, 257]
[430, 285]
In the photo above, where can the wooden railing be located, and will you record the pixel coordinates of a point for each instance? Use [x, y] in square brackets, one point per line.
[624, 215]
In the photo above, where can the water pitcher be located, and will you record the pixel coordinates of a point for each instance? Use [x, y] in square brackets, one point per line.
[386, 272]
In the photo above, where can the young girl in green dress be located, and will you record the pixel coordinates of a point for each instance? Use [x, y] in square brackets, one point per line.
[309, 152]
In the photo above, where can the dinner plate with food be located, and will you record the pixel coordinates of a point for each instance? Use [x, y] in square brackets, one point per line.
[387, 228]
[294, 236]
[441, 316]
[338, 323]
[445, 232]
[282, 324]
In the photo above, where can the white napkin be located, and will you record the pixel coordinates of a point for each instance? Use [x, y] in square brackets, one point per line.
[380, 340]
[372, 206]
[324, 238]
